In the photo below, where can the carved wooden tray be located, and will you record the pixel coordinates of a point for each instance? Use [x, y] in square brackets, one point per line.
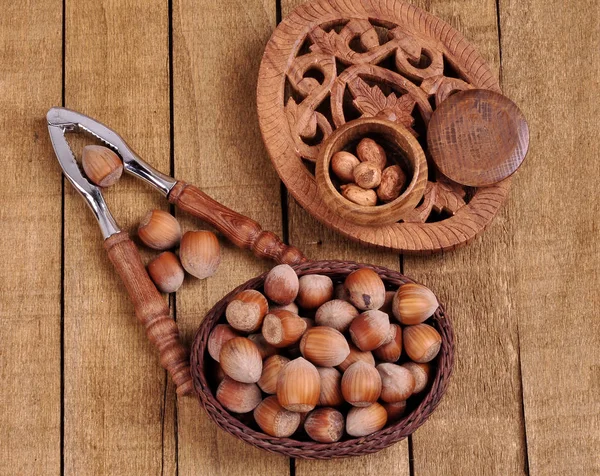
[332, 61]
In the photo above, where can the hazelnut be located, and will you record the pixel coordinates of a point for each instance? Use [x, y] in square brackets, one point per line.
[342, 164]
[365, 289]
[397, 383]
[264, 348]
[361, 384]
[336, 314]
[331, 387]
[292, 307]
[356, 355]
[392, 182]
[414, 303]
[240, 360]
[238, 397]
[299, 386]
[218, 336]
[358, 195]
[282, 328]
[281, 284]
[391, 351]
[366, 420]
[271, 368]
[275, 420]
[200, 253]
[370, 330]
[166, 272]
[367, 175]
[324, 346]
[102, 166]
[421, 342]
[421, 374]
[324, 425]
[387, 303]
[159, 230]
[247, 310]
[314, 290]
[370, 151]
[395, 410]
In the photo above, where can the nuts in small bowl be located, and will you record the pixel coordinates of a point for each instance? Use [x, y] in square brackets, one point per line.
[371, 171]
[321, 395]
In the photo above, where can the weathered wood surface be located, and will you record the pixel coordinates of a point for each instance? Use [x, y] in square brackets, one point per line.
[524, 398]
[116, 58]
[478, 428]
[30, 249]
[217, 145]
[554, 214]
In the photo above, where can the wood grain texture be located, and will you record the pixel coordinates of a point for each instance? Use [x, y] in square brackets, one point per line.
[319, 242]
[478, 427]
[151, 309]
[555, 212]
[396, 136]
[303, 48]
[116, 71]
[240, 230]
[217, 51]
[30, 250]
[478, 137]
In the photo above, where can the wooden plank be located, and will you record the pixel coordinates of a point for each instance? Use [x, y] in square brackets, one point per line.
[550, 67]
[478, 427]
[318, 242]
[218, 148]
[30, 276]
[116, 71]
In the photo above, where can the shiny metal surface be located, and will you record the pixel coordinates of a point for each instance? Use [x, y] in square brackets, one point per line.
[90, 192]
[71, 121]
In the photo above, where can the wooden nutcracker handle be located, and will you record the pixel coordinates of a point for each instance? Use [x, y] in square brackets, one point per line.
[151, 310]
[240, 230]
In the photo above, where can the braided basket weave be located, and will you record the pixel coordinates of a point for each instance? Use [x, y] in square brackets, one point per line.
[337, 271]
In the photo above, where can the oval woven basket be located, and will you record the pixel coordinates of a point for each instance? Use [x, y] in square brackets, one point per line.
[337, 271]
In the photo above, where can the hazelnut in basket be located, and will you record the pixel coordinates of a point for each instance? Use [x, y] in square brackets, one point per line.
[368, 358]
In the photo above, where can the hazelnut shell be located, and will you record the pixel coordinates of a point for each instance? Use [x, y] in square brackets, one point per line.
[361, 384]
[324, 346]
[241, 360]
[200, 253]
[159, 230]
[421, 342]
[281, 284]
[299, 386]
[365, 289]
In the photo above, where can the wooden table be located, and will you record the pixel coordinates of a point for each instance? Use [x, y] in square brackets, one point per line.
[82, 392]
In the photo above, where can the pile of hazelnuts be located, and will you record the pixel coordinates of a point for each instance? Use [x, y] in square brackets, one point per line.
[349, 368]
[366, 178]
[199, 251]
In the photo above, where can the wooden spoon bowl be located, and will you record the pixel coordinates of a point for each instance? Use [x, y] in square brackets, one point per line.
[400, 143]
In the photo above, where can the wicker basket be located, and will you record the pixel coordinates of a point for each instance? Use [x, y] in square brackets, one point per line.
[337, 271]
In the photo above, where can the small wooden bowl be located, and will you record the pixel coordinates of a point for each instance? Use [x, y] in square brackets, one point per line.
[394, 136]
[300, 446]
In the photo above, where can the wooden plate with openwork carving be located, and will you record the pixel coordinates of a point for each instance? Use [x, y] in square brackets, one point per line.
[332, 61]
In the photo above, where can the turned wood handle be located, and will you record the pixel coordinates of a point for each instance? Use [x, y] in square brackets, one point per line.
[151, 310]
[240, 230]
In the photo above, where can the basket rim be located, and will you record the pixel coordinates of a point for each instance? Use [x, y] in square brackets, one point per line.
[309, 449]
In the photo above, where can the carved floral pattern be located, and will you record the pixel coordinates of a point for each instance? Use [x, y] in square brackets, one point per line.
[386, 72]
